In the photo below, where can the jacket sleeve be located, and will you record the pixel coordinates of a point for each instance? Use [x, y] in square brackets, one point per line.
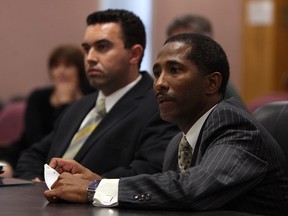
[203, 187]
[30, 164]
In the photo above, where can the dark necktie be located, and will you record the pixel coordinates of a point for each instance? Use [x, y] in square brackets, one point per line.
[184, 154]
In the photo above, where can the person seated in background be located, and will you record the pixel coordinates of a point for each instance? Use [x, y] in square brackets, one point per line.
[222, 160]
[44, 105]
[116, 131]
[193, 23]
[69, 83]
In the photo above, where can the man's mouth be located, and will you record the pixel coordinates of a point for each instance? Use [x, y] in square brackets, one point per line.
[161, 99]
[94, 71]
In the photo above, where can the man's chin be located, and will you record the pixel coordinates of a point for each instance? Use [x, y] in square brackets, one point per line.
[95, 83]
[167, 117]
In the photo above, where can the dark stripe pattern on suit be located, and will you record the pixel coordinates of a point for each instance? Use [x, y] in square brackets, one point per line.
[236, 165]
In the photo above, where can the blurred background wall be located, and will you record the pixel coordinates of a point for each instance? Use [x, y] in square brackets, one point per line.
[30, 29]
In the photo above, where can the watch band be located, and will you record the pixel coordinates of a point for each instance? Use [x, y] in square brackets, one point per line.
[92, 189]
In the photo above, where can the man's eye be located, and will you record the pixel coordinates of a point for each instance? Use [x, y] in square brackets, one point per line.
[156, 74]
[174, 69]
[86, 49]
[102, 47]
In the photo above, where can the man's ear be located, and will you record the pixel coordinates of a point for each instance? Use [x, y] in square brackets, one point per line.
[214, 81]
[136, 53]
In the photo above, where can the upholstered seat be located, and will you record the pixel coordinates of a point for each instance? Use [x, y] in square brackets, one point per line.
[11, 123]
[269, 98]
[274, 117]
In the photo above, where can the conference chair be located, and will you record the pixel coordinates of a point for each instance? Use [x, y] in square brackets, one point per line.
[274, 117]
[11, 123]
[269, 98]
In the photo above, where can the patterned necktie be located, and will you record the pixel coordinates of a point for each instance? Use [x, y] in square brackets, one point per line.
[184, 154]
[94, 118]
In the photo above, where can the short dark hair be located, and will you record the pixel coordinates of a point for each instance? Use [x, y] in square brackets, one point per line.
[71, 54]
[206, 54]
[197, 23]
[133, 29]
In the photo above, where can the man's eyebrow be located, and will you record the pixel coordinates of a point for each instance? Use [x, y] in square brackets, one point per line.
[171, 62]
[96, 42]
[168, 63]
[156, 65]
[84, 44]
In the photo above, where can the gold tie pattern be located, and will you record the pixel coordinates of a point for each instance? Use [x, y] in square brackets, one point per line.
[184, 154]
[94, 118]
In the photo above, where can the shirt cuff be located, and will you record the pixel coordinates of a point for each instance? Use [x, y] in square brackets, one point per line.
[106, 194]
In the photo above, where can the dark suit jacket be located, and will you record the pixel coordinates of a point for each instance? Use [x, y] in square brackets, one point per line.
[131, 139]
[236, 165]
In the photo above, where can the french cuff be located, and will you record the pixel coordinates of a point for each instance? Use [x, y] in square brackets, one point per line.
[106, 194]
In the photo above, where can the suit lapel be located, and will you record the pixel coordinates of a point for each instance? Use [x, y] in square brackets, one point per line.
[124, 107]
[71, 123]
[171, 154]
[171, 157]
[197, 155]
[201, 147]
[202, 142]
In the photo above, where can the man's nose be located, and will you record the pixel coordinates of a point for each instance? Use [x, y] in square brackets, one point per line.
[161, 81]
[92, 56]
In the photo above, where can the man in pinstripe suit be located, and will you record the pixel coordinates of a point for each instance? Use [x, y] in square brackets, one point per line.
[236, 164]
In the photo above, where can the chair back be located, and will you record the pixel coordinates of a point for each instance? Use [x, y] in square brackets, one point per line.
[11, 123]
[266, 99]
[274, 117]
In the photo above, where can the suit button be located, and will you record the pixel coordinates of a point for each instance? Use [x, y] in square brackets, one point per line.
[142, 197]
[135, 197]
[148, 197]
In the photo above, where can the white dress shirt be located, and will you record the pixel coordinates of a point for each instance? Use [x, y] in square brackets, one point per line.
[112, 99]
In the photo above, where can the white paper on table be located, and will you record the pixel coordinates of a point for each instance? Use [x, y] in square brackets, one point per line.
[50, 175]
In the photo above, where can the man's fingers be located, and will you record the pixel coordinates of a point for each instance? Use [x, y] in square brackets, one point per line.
[51, 196]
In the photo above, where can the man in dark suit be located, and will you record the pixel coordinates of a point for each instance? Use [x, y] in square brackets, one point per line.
[228, 162]
[131, 138]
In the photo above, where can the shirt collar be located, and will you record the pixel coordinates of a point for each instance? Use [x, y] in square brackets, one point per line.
[113, 98]
[193, 133]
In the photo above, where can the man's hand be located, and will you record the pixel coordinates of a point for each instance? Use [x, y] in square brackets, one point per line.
[69, 188]
[73, 167]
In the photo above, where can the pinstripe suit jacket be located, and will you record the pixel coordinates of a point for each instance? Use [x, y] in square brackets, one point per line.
[236, 165]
